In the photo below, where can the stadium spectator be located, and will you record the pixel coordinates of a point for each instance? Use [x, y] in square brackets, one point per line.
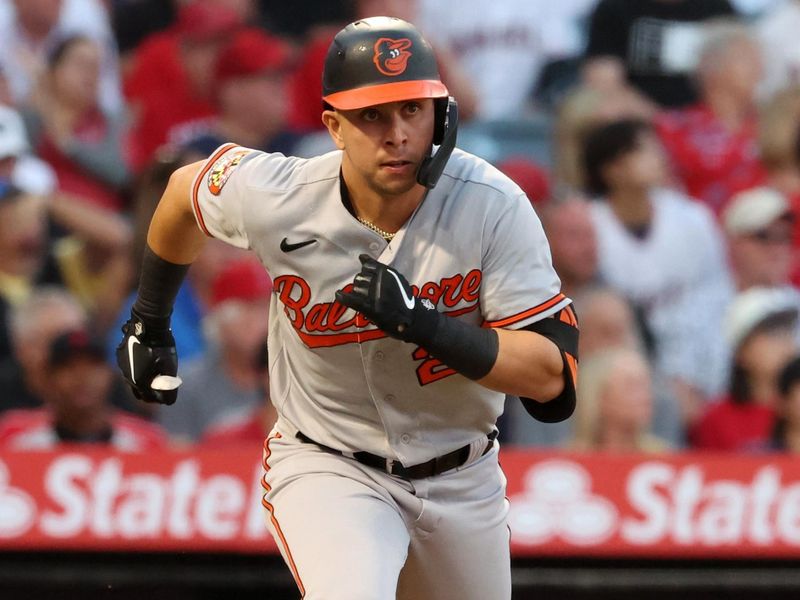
[227, 378]
[761, 327]
[654, 42]
[583, 109]
[504, 45]
[615, 408]
[530, 176]
[251, 77]
[779, 130]
[23, 252]
[88, 256]
[69, 130]
[759, 224]
[33, 324]
[17, 163]
[607, 322]
[573, 243]
[248, 426]
[664, 253]
[78, 408]
[29, 29]
[776, 32]
[713, 145]
[786, 433]
[170, 81]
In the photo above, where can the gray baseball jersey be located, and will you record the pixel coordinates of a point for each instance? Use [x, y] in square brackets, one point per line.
[474, 247]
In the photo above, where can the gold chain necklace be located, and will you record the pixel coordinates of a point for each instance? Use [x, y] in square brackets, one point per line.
[388, 236]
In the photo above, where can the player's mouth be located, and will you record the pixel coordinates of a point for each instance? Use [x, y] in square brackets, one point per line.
[397, 166]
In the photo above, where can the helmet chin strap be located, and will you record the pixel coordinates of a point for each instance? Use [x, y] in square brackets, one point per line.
[432, 166]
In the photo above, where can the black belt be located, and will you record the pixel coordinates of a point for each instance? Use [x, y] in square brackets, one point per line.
[434, 466]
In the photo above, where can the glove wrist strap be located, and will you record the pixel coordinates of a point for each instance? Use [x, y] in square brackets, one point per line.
[470, 350]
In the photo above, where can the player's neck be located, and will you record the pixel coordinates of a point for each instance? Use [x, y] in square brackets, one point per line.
[388, 212]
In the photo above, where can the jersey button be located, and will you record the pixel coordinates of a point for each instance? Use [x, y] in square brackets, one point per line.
[389, 398]
[374, 246]
[379, 355]
[405, 438]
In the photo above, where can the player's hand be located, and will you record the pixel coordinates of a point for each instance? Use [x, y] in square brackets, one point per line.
[148, 361]
[386, 298]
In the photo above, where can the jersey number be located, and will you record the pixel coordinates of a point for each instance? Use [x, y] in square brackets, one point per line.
[431, 368]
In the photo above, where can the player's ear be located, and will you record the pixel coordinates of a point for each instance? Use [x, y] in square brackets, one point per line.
[333, 122]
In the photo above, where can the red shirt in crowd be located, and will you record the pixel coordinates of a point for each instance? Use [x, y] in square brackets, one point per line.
[712, 162]
[34, 430]
[162, 95]
[305, 87]
[734, 427]
[72, 177]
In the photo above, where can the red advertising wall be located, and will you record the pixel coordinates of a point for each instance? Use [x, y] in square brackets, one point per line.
[672, 506]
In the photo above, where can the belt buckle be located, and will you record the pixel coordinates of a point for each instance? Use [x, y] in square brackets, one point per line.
[395, 467]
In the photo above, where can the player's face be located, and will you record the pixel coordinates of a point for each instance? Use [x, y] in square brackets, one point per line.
[385, 144]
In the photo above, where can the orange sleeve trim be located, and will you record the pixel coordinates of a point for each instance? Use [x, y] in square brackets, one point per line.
[539, 308]
[197, 182]
[289, 558]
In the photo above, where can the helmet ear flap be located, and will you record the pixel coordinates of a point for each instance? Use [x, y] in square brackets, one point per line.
[445, 130]
[439, 119]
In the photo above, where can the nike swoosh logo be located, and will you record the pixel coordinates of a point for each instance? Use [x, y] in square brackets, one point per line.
[287, 247]
[132, 341]
[409, 301]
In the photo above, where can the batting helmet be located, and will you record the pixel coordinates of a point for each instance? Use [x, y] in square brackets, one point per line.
[385, 59]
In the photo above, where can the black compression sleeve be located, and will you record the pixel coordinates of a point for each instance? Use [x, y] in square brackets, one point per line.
[470, 350]
[159, 283]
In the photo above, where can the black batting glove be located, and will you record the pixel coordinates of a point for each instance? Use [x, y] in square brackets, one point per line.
[149, 361]
[385, 297]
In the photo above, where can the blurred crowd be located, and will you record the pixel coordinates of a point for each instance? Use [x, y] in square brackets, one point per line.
[669, 190]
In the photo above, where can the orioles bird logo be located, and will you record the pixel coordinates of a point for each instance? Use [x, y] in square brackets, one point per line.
[391, 56]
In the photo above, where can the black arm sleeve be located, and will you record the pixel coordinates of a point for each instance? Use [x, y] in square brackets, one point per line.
[159, 283]
[562, 330]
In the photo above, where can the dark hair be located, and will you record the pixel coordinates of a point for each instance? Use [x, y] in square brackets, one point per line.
[788, 378]
[790, 375]
[739, 388]
[63, 46]
[605, 144]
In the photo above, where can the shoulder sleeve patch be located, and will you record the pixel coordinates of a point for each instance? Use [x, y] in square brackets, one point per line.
[222, 169]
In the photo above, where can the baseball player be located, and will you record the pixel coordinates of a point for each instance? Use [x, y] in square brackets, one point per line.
[413, 289]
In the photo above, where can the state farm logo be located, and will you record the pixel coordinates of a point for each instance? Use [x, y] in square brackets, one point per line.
[558, 503]
[17, 509]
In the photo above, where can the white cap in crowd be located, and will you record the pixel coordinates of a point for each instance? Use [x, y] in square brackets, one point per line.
[13, 138]
[30, 173]
[752, 210]
[751, 307]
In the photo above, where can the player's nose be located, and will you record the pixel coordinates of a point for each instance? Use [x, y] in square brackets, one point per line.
[396, 131]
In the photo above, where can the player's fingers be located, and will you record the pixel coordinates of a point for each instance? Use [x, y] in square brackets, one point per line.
[369, 264]
[361, 283]
[348, 299]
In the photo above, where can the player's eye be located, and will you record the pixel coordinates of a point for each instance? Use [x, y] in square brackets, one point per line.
[371, 115]
[413, 107]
